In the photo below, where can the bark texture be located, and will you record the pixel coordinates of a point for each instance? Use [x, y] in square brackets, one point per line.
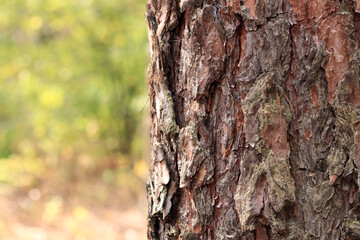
[255, 108]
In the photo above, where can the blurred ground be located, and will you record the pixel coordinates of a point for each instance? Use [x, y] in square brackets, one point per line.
[32, 218]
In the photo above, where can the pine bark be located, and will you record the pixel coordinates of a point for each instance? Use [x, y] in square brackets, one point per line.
[255, 110]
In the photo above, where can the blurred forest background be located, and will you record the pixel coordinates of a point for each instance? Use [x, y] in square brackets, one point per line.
[73, 139]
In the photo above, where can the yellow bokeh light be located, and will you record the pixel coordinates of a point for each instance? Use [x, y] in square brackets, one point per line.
[35, 22]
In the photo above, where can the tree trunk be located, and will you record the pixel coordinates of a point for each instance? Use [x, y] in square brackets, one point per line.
[255, 108]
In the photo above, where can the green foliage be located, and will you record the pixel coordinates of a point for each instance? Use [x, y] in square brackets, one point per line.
[72, 77]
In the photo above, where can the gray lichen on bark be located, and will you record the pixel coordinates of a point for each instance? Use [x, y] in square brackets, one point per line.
[265, 123]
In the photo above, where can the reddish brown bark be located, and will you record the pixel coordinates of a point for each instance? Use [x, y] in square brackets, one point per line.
[255, 114]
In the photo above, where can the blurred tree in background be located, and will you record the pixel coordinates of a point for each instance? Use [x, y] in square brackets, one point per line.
[72, 77]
